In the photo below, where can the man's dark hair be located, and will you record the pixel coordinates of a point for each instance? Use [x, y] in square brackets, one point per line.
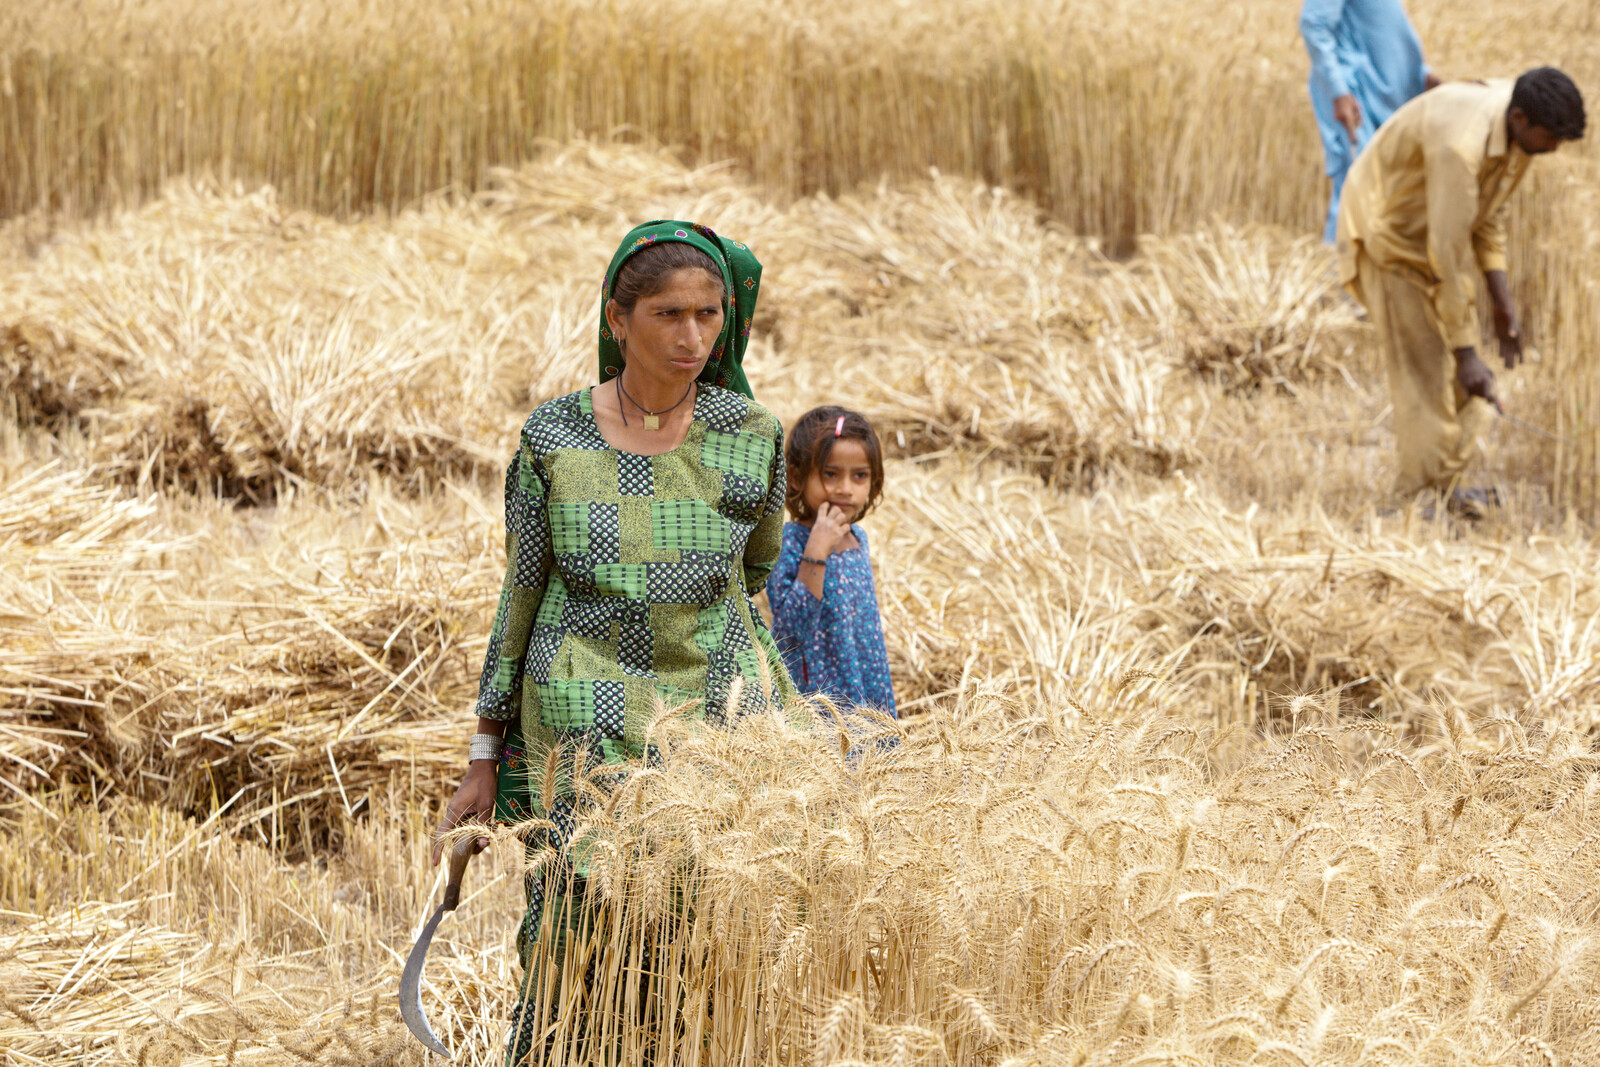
[1549, 99]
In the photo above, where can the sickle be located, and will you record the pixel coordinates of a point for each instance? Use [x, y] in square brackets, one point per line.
[411, 977]
[1519, 424]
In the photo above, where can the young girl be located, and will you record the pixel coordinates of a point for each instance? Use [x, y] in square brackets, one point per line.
[824, 602]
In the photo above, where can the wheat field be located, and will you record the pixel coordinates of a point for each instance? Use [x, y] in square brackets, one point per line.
[1209, 753]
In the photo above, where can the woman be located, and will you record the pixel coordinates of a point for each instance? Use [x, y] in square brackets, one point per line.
[641, 515]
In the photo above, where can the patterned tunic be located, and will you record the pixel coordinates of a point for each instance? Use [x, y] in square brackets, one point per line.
[628, 584]
[833, 646]
[628, 577]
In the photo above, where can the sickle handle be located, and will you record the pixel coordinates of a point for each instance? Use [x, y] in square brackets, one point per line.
[459, 856]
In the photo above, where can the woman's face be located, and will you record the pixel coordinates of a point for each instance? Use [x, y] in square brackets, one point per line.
[844, 479]
[668, 337]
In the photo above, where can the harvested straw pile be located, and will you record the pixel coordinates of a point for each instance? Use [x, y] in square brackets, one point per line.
[285, 674]
[994, 584]
[290, 670]
[239, 347]
[949, 312]
[50, 378]
[260, 345]
[1245, 309]
[263, 347]
[960, 323]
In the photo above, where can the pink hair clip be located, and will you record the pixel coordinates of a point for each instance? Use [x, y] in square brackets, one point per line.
[838, 427]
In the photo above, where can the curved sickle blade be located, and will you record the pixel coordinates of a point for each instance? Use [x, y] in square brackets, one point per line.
[411, 989]
[411, 977]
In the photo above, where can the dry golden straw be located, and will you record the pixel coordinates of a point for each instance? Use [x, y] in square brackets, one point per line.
[1206, 759]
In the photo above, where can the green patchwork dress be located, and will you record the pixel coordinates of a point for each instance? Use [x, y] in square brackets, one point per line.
[629, 577]
[628, 584]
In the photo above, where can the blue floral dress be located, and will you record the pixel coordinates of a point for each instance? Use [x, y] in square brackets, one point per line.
[834, 646]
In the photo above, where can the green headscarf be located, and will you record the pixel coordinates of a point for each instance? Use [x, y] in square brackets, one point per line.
[741, 276]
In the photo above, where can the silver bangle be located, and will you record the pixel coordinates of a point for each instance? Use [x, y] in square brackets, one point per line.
[485, 746]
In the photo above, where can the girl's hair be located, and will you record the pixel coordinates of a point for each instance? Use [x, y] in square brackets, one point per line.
[645, 273]
[811, 443]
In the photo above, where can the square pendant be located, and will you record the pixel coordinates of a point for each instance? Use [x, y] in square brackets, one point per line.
[651, 422]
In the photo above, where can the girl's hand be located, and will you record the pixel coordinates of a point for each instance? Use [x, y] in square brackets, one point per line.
[473, 802]
[827, 531]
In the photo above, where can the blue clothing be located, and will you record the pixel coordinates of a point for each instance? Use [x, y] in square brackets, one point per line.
[1370, 50]
[834, 646]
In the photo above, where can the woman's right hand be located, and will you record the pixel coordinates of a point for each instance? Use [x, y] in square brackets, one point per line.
[827, 530]
[473, 802]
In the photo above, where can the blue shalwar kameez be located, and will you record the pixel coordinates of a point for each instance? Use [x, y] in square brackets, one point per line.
[1370, 50]
[832, 646]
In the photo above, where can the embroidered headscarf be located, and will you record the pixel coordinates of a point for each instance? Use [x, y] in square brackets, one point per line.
[741, 280]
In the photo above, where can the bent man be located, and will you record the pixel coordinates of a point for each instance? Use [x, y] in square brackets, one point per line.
[1423, 211]
[1366, 60]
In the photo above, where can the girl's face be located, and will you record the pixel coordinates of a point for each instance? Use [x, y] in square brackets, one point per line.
[669, 336]
[844, 479]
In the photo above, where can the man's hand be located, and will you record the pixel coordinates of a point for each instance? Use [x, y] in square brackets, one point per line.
[1348, 114]
[1506, 325]
[473, 802]
[1509, 330]
[1474, 376]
